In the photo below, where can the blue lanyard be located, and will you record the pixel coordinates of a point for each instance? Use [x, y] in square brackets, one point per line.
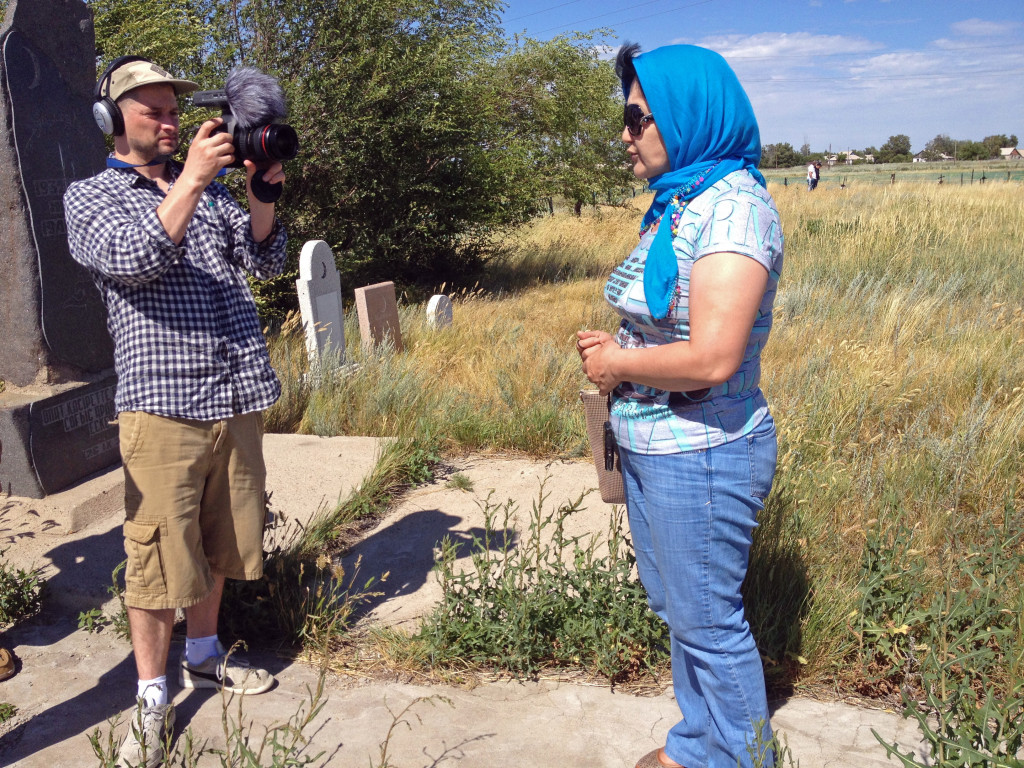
[113, 162]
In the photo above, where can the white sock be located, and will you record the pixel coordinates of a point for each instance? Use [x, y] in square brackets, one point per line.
[154, 692]
[199, 649]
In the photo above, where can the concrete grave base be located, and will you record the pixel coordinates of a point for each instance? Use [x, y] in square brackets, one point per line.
[51, 438]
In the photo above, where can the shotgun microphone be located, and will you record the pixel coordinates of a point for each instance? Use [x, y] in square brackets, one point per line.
[252, 106]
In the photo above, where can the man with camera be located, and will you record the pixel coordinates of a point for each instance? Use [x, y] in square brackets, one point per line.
[169, 250]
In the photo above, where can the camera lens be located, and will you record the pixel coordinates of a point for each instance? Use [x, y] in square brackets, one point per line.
[269, 142]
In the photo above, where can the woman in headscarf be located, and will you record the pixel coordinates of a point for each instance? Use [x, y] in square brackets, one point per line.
[696, 441]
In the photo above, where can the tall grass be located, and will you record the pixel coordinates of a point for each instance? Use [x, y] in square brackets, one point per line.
[894, 370]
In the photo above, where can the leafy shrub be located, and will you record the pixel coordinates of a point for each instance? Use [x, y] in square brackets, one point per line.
[950, 643]
[20, 592]
[553, 600]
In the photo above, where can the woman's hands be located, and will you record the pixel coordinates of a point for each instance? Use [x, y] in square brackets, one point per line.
[598, 351]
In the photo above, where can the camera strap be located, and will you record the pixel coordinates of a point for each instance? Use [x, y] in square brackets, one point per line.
[113, 162]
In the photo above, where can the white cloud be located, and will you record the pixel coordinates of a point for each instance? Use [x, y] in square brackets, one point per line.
[851, 92]
[898, 65]
[982, 28]
[772, 45]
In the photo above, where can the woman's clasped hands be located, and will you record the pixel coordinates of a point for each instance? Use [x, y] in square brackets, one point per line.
[598, 351]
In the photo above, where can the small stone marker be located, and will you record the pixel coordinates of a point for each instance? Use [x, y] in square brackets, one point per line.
[439, 312]
[319, 288]
[377, 309]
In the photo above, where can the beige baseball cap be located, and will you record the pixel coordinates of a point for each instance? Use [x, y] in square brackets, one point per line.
[138, 73]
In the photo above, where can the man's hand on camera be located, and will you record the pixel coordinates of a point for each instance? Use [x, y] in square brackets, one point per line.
[261, 215]
[209, 153]
[274, 174]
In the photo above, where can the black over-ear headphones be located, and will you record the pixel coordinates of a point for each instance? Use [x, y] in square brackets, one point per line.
[105, 111]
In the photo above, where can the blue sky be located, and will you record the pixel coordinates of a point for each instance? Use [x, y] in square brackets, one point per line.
[841, 73]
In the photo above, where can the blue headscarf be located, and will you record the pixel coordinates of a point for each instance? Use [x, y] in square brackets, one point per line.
[709, 129]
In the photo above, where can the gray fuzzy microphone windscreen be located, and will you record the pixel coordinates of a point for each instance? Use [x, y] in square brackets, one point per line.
[254, 97]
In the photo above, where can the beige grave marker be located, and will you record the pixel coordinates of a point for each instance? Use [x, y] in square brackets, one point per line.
[377, 309]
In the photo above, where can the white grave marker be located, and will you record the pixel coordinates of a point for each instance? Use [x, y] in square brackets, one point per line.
[319, 287]
[439, 312]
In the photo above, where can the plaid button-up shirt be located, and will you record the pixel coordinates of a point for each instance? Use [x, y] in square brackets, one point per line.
[187, 338]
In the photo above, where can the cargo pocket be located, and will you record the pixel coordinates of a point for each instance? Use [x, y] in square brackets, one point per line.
[145, 570]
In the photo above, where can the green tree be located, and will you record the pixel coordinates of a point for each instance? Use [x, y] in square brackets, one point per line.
[896, 149]
[424, 135]
[563, 105]
[940, 145]
[402, 170]
[972, 150]
[186, 37]
[994, 143]
[779, 156]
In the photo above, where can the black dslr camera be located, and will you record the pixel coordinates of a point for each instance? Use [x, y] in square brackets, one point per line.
[252, 106]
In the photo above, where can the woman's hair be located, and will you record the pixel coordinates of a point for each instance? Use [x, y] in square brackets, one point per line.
[624, 67]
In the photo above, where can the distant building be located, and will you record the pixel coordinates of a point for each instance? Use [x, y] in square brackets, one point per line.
[1010, 153]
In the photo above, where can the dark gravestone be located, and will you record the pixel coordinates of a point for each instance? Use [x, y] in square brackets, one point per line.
[74, 434]
[53, 322]
[56, 354]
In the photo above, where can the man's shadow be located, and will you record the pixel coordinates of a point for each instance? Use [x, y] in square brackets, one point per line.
[397, 560]
[78, 578]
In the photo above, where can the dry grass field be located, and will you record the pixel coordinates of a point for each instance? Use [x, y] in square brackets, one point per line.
[895, 372]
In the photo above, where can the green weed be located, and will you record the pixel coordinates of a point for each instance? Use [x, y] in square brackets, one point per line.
[764, 753]
[301, 598]
[949, 642]
[401, 718]
[94, 620]
[281, 744]
[402, 462]
[460, 482]
[548, 600]
[20, 592]
[7, 711]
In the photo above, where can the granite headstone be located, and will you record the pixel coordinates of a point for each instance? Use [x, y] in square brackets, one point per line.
[52, 315]
[377, 309]
[56, 408]
[319, 289]
[439, 312]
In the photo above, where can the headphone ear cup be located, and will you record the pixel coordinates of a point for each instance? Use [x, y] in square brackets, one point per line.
[108, 116]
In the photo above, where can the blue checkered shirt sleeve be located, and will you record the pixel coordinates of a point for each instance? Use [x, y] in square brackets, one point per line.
[187, 337]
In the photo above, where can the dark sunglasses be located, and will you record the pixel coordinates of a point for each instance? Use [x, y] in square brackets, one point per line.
[634, 119]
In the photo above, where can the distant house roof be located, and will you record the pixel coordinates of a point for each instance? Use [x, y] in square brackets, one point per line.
[1008, 152]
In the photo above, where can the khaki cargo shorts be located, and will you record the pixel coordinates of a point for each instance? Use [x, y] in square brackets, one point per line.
[194, 505]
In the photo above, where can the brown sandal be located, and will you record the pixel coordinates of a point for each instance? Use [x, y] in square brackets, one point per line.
[650, 760]
[6, 664]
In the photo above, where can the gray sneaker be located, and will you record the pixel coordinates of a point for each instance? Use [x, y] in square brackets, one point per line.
[229, 673]
[147, 732]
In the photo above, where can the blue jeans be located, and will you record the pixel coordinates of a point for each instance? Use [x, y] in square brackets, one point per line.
[691, 516]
